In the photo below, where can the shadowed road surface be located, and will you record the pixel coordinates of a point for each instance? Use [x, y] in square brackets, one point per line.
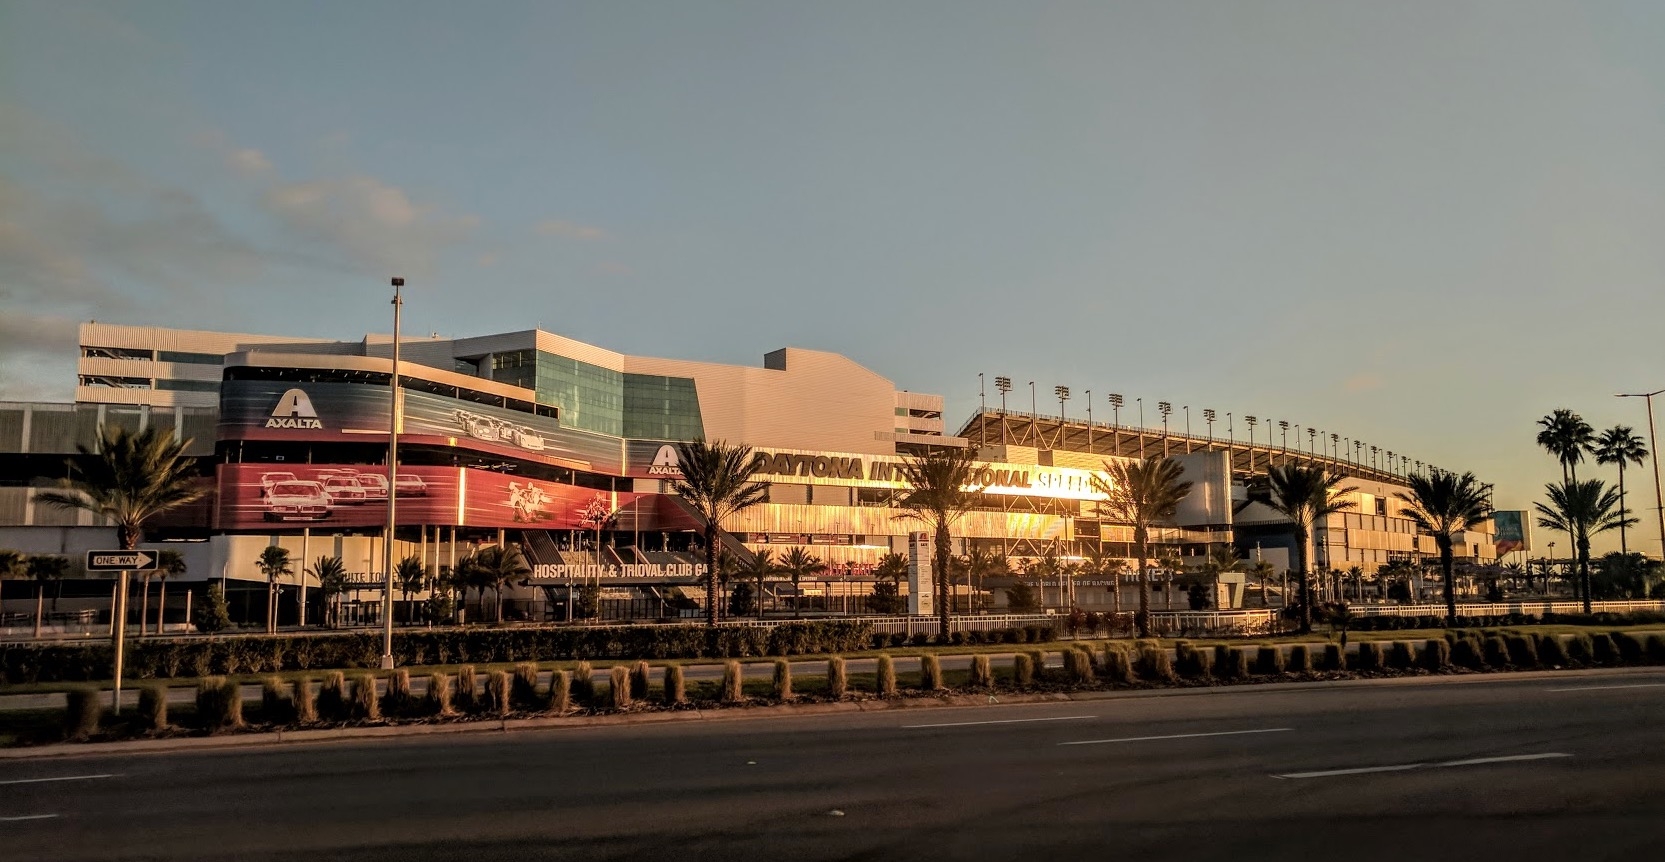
[1568, 768]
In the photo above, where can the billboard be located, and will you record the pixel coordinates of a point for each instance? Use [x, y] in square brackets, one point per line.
[1513, 531]
[262, 496]
[277, 410]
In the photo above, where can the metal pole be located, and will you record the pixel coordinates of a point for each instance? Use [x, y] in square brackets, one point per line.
[392, 483]
[1658, 498]
[119, 627]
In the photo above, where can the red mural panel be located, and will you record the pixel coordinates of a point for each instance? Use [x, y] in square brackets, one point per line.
[259, 496]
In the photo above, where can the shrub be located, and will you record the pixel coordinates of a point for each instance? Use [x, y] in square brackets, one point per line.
[1400, 657]
[1236, 665]
[982, 675]
[676, 690]
[782, 683]
[1300, 659]
[1369, 657]
[1190, 662]
[1522, 652]
[1118, 665]
[583, 684]
[153, 707]
[1154, 665]
[332, 697]
[1655, 647]
[884, 677]
[219, 703]
[305, 701]
[920, 639]
[468, 689]
[618, 687]
[1495, 651]
[1436, 654]
[1023, 670]
[1268, 661]
[1038, 658]
[1078, 667]
[523, 688]
[558, 699]
[1335, 659]
[366, 705]
[1631, 650]
[1550, 651]
[1605, 651]
[838, 678]
[930, 673]
[274, 701]
[733, 688]
[399, 700]
[1222, 658]
[437, 699]
[641, 680]
[1465, 652]
[1580, 649]
[82, 713]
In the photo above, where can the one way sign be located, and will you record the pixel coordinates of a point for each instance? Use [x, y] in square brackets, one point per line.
[119, 561]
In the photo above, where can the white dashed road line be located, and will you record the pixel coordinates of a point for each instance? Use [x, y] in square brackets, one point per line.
[1406, 767]
[1611, 687]
[1178, 736]
[998, 721]
[59, 778]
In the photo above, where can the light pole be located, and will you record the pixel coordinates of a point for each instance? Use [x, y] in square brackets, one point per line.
[982, 407]
[1312, 441]
[392, 481]
[1089, 419]
[1187, 409]
[1141, 402]
[1115, 399]
[1252, 422]
[1063, 393]
[1208, 417]
[1004, 385]
[1653, 446]
[1034, 418]
[1164, 408]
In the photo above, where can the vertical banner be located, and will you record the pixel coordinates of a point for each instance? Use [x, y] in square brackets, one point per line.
[921, 586]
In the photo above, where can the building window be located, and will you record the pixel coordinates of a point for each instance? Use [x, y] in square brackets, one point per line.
[107, 381]
[189, 385]
[661, 408]
[116, 353]
[190, 358]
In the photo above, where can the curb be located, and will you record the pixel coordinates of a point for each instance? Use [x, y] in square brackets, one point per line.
[280, 738]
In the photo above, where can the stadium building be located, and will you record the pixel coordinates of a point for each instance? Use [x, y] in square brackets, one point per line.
[567, 449]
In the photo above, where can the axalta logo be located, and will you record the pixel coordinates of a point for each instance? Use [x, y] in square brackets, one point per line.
[295, 410]
[665, 463]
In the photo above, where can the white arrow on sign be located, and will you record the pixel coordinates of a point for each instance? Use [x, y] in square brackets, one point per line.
[115, 561]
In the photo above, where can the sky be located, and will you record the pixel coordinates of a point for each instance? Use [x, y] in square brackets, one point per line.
[1422, 224]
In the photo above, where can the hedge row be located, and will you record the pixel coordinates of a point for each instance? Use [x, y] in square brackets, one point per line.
[1398, 623]
[197, 657]
[1013, 635]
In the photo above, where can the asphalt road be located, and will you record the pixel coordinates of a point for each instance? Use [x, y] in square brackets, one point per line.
[1563, 768]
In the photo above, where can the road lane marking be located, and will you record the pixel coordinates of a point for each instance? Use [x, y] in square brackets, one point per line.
[1178, 736]
[59, 778]
[999, 721]
[1406, 767]
[27, 817]
[1611, 687]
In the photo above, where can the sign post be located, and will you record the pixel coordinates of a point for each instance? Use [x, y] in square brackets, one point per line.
[121, 562]
[921, 587]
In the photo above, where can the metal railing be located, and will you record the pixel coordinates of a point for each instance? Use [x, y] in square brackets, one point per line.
[1497, 609]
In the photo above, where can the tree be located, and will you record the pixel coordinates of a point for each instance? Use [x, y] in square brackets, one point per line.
[1621, 575]
[44, 568]
[497, 567]
[1305, 494]
[331, 573]
[1221, 559]
[895, 567]
[1582, 509]
[1567, 436]
[759, 568]
[211, 614]
[798, 564]
[1144, 494]
[274, 564]
[412, 576]
[169, 564]
[940, 491]
[1021, 598]
[717, 483]
[1620, 445]
[1444, 504]
[1263, 572]
[885, 598]
[740, 601]
[13, 567]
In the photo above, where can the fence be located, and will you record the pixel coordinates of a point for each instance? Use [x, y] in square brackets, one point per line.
[921, 624]
[1497, 609]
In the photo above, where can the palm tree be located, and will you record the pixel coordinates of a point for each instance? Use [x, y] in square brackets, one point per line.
[894, 566]
[1582, 509]
[1620, 445]
[1222, 559]
[1567, 436]
[331, 573]
[1444, 504]
[497, 567]
[1357, 574]
[411, 575]
[274, 564]
[1305, 495]
[169, 564]
[1144, 494]
[796, 564]
[13, 566]
[940, 492]
[43, 568]
[1263, 571]
[717, 482]
[759, 568]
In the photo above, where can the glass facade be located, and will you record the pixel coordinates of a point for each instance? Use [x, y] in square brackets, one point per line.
[661, 408]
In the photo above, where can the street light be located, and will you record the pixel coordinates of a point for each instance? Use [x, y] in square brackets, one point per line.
[1089, 419]
[1004, 385]
[1141, 403]
[1164, 408]
[1063, 393]
[1187, 409]
[1312, 441]
[1658, 499]
[1253, 421]
[1208, 416]
[1115, 400]
[392, 481]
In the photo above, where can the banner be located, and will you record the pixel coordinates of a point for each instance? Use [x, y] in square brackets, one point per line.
[1512, 532]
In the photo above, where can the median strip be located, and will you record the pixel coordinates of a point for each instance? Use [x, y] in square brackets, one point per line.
[1178, 736]
[1406, 767]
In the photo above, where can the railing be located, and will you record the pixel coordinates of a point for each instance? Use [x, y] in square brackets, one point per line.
[1241, 622]
[919, 624]
[1497, 609]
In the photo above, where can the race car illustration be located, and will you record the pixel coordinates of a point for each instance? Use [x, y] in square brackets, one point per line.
[297, 500]
[479, 427]
[344, 490]
[374, 485]
[410, 486]
[267, 480]
[490, 428]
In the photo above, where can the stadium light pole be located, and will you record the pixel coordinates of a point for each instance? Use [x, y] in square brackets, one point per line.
[982, 407]
[1089, 419]
[1187, 409]
[1004, 385]
[1116, 420]
[1063, 393]
[1141, 402]
[1653, 446]
[392, 481]
[1034, 416]
[1252, 422]
[1164, 408]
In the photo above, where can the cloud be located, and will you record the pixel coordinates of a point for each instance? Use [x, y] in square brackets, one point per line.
[249, 163]
[613, 267]
[1362, 382]
[562, 229]
[487, 260]
[367, 224]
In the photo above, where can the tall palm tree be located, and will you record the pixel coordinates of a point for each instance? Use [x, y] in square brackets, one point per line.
[1222, 559]
[1620, 445]
[411, 575]
[759, 568]
[717, 482]
[1582, 509]
[1305, 495]
[895, 567]
[170, 564]
[331, 573]
[497, 567]
[1144, 494]
[940, 492]
[14, 566]
[1567, 436]
[43, 568]
[796, 565]
[1444, 504]
[1263, 572]
[274, 564]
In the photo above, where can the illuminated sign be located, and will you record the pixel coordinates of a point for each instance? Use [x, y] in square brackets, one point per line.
[294, 410]
[637, 570]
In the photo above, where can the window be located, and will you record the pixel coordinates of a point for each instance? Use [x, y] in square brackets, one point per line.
[189, 385]
[115, 353]
[661, 408]
[106, 381]
[190, 358]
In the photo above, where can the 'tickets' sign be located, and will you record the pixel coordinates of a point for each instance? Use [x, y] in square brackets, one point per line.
[325, 495]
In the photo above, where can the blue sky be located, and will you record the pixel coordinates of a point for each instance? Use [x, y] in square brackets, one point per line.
[1423, 224]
